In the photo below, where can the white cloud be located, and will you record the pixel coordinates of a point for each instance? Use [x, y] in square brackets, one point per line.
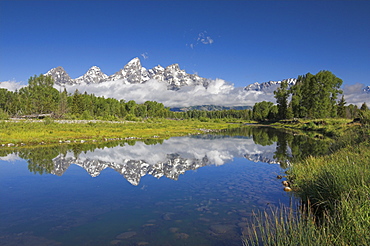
[219, 92]
[218, 151]
[202, 38]
[353, 94]
[145, 55]
[11, 85]
[10, 157]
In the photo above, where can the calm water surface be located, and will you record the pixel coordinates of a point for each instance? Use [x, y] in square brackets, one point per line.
[196, 190]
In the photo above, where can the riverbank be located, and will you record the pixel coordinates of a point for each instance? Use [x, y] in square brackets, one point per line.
[331, 127]
[335, 199]
[34, 132]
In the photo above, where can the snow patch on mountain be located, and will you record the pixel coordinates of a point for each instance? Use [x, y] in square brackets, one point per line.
[93, 76]
[132, 73]
[269, 86]
[60, 76]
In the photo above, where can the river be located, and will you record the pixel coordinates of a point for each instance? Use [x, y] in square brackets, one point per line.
[194, 190]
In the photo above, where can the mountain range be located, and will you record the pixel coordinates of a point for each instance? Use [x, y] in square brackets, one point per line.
[174, 77]
[134, 73]
[132, 170]
[269, 86]
[131, 73]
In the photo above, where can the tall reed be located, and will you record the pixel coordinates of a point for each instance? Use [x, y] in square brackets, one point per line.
[336, 190]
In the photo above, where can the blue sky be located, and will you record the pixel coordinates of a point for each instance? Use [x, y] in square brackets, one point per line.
[243, 41]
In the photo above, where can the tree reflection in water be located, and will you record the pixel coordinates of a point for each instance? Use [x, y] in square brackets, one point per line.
[290, 147]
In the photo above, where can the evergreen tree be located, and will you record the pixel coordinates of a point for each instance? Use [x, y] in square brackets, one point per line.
[352, 111]
[63, 104]
[77, 107]
[281, 95]
[296, 108]
[364, 107]
[341, 108]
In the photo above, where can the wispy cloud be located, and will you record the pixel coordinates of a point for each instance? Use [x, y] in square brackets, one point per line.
[353, 94]
[204, 39]
[11, 85]
[201, 38]
[144, 55]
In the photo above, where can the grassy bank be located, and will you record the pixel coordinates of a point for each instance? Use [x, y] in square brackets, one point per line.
[332, 127]
[335, 189]
[49, 131]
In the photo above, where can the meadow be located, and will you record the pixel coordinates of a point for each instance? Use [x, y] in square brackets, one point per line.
[48, 131]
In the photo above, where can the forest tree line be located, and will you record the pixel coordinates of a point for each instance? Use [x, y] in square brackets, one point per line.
[313, 96]
[40, 97]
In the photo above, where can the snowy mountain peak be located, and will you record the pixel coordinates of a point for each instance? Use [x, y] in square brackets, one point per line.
[93, 76]
[134, 62]
[173, 67]
[172, 167]
[132, 73]
[60, 76]
[269, 86]
[367, 89]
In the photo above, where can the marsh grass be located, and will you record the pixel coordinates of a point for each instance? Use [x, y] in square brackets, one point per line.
[332, 127]
[336, 190]
[51, 131]
[285, 226]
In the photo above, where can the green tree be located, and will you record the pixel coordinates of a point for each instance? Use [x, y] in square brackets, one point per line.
[296, 108]
[40, 96]
[77, 106]
[364, 107]
[352, 111]
[281, 95]
[261, 110]
[314, 96]
[341, 108]
[63, 104]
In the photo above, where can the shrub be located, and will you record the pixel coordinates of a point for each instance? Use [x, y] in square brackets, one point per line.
[48, 121]
[3, 115]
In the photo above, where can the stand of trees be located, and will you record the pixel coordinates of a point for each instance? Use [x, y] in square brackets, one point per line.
[313, 96]
[40, 97]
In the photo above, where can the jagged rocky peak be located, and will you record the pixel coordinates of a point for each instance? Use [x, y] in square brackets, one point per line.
[60, 76]
[134, 73]
[271, 85]
[171, 167]
[93, 76]
[175, 77]
[157, 73]
[367, 89]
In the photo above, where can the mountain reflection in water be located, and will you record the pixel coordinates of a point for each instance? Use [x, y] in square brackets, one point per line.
[173, 157]
[209, 206]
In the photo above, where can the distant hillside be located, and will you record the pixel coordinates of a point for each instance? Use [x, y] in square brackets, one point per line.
[208, 108]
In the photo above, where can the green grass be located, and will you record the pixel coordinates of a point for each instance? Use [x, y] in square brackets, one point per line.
[49, 131]
[336, 190]
[332, 127]
[284, 226]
